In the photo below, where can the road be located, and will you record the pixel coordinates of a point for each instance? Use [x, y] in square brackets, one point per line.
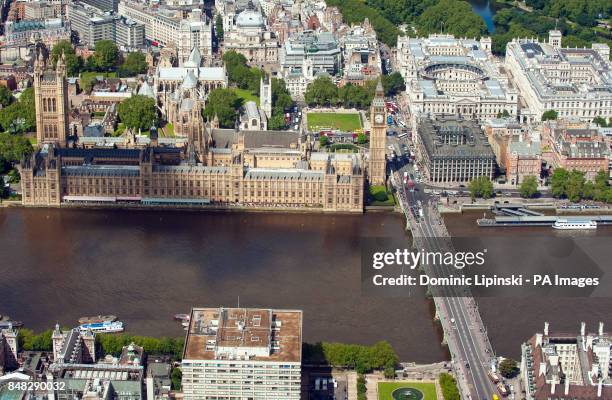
[464, 331]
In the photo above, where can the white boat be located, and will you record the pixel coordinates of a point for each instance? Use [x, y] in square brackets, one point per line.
[564, 224]
[103, 327]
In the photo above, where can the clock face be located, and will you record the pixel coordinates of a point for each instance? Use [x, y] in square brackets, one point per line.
[379, 118]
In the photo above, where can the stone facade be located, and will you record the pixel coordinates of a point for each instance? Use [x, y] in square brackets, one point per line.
[51, 98]
[377, 173]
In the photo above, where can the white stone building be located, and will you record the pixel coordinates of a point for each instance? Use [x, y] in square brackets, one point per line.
[577, 83]
[240, 353]
[445, 75]
[167, 27]
[250, 36]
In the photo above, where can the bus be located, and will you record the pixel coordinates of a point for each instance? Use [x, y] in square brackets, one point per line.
[402, 135]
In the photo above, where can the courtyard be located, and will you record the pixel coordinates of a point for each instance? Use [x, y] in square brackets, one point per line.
[406, 391]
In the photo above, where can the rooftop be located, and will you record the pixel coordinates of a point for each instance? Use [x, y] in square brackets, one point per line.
[244, 333]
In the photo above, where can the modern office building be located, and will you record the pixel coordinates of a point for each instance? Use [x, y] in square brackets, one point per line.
[168, 27]
[575, 82]
[243, 353]
[321, 48]
[129, 33]
[90, 23]
[449, 76]
[560, 366]
[453, 150]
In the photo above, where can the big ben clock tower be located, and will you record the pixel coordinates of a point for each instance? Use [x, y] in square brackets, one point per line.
[378, 135]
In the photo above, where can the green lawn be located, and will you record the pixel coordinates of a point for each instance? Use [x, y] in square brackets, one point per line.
[33, 140]
[379, 196]
[85, 75]
[246, 95]
[169, 130]
[120, 129]
[386, 388]
[344, 121]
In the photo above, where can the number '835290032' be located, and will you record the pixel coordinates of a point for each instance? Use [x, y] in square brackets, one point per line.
[36, 386]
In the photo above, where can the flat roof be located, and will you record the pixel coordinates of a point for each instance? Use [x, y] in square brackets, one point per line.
[230, 333]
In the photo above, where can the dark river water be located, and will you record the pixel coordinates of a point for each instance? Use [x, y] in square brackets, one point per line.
[145, 266]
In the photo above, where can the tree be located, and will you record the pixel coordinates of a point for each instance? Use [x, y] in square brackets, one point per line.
[138, 112]
[87, 82]
[508, 368]
[574, 188]
[451, 16]
[323, 140]
[14, 147]
[362, 138]
[106, 55]
[176, 377]
[600, 121]
[20, 116]
[135, 63]
[393, 84]
[529, 187]
[219, 28]
[74, 63]
[354, 96]
[558, 182]
[321, 92]
[503, 114]
[481, 187]
[6, 96]
[448, 384]
[549, 115]
[224, 104]
[601, 186]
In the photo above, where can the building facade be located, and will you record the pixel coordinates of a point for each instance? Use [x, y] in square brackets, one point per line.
[377, 169]
[576, 83]
[237, 353]
[449, 76]
[8, 349]
[51, 100]
[557, 366]
[578, 147]
[251, 37]
[453, 150]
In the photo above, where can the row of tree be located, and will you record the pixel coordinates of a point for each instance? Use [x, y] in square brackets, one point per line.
[380, 356]
[575, 187]
[114, 343]
[323, 92]
[106, 58]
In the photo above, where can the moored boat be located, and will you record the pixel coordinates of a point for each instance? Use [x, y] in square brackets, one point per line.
[9, 323]
[564, 224]
[181, 317]
[103, 327]
[97, 319]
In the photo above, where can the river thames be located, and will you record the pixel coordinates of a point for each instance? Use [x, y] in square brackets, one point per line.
[146, 266]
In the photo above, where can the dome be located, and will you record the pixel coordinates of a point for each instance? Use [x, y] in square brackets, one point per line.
[250, 19]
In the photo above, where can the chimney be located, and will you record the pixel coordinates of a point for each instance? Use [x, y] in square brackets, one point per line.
[545, 328]
[552, 386]
[538, 339]
[601, 325]
[599, 387]
[566, 392]
[582, 328]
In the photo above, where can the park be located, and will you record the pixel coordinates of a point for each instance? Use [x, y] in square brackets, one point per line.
[346, 122]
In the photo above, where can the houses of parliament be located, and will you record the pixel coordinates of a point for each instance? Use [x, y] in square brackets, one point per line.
[213, 166]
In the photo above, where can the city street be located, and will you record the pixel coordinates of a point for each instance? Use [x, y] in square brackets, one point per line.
[464, 331]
